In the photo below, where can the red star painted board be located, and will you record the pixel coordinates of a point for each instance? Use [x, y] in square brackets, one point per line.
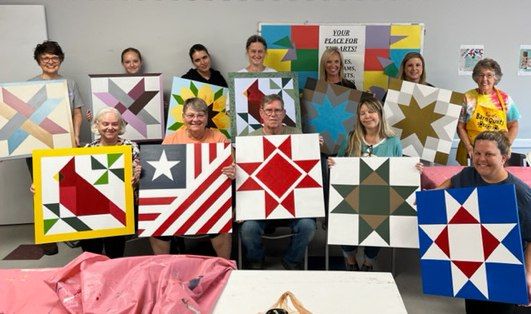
[83, 193]
[183, 191]
[278, 177]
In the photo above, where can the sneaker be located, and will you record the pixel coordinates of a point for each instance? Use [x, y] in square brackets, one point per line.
[49, 248]
[365, 267]
[352, 267]
[256, 265]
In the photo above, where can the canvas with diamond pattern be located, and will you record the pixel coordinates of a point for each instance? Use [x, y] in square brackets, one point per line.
[83, 193]
[470, 244]
[183, 191]
[138, 98]
[372, 52]
[247, 91]
[372, 201]
[34, 115]
[424, 117]
[278, 177]
[330, 110]
[214, 96]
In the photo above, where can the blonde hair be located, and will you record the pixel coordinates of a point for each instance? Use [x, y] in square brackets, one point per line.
[359, 132]
[103, 112]
[324, 58]
[407, 57]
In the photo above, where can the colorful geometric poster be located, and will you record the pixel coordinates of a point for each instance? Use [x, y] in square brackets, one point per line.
[292, 48]
[137, 97]
[278, 177]
[214, 96]
[183, 191]
[424, 117]
[83, 193]
[372, 52]
[524, 60]
[247, 91]
[470, 244]
[330, 110]
[372, 201]
[469, 56]
[34, 115]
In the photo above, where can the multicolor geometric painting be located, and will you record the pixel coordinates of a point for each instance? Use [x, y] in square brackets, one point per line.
[137, 97]
[371, 52]
[278, 177]
[247, 91]
[424, 117]
[83, 193]
[214, 96]
[34, 115]
[372, 201]
[330, 110]
[470, 244]
[183, 191]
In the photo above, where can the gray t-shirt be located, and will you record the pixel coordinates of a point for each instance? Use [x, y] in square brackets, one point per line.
[285, 130]
[73, 92]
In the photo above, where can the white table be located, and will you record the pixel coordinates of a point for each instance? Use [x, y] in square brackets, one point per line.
[255, 291]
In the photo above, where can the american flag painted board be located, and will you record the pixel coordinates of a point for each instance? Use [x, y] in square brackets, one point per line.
[182, 190]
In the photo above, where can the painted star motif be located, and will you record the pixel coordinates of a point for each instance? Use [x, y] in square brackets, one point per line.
[163, 166]
[374, 200]
[329, 118]
[418, 121]
[278, 176]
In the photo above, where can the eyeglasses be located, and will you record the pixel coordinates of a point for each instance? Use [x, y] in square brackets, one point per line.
[488, 76]
[270, 112]
[53, 59]
[191, 116]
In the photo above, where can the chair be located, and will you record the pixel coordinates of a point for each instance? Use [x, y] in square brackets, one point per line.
[273, 236]
[517, 160]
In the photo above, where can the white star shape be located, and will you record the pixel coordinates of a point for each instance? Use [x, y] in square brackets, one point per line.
[163, 166]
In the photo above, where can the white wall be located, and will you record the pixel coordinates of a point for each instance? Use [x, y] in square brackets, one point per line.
[93, 33]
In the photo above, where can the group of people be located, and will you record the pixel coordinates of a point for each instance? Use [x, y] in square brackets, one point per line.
[487, 127]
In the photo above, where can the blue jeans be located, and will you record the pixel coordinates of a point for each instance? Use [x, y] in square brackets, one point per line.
[370, 251]
[251, 232]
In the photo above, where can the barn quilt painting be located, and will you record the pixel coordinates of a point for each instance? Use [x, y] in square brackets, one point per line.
[137, 97]
[470, 244]
[372, 201]
[330, 110]
[371, 52]
[247, 91]
[83, 193]
[34, 115]
[182, 190]
[214, 96]
[424, 117]
[278, 177]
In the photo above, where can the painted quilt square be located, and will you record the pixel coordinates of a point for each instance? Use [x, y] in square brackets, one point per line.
[139, 98]
[424, 117]
[83, 193]
[470, 244]
[34, 115]
[214, 96]
[372, 202]
[247, 91]
[278, 177]
[182, 190]
[330, 110]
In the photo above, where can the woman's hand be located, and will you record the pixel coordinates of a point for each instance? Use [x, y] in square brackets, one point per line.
[230, 171]
[32, 188]
[331, 162]
[420, 167]
[321, 140]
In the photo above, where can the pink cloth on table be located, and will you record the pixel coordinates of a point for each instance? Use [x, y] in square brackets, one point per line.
[434, 176]
[93, 283]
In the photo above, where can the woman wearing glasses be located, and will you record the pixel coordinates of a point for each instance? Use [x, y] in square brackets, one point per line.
[195, 130]
[487, 109]
[371, 137]
[49, 56]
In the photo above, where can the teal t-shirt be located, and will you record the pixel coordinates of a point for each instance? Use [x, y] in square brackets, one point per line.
[389, 147]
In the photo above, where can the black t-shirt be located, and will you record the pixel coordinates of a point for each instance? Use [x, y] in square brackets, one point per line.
[346, 83]
[215, 77]
[469, 177]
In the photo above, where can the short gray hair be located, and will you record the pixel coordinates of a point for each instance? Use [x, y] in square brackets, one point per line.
[270, 98]
[103, 112]
[196, 104]
[488, 64]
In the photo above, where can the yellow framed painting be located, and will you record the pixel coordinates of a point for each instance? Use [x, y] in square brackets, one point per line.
[83, 193]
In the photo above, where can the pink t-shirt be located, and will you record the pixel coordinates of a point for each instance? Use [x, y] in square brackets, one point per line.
[181, 137]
